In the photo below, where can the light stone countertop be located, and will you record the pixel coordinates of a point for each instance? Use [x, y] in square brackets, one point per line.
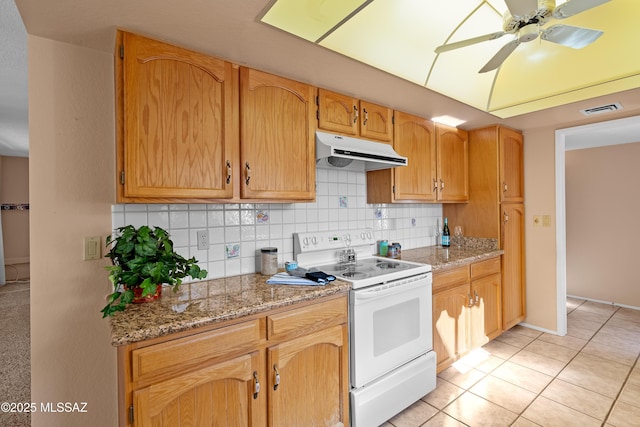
[213, 301]
[208, 302]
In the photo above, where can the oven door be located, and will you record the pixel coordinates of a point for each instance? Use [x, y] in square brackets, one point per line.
[390, 326]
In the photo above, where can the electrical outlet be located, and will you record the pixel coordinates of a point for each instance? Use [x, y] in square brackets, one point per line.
[203, 239]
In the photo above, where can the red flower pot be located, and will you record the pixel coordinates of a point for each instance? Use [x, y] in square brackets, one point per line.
[139, 299]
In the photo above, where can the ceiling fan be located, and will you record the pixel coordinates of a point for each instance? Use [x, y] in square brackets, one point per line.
[525, 18]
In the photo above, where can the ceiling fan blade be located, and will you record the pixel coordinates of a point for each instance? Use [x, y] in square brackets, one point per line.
[469, 42]
[573, 7]
[574, 37]
[500, 57]
[521, 7]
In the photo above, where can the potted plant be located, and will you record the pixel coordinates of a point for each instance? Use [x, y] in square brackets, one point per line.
[143, 260]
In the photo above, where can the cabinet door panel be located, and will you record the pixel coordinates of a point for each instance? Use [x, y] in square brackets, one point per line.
[219, 395]
[277, 135]
[486, 314]
[337, 112]
[453, 164]
[511, 165]
[376, 122]
[451, 324]
[177, 122]
[513, 278]
[414, 138]
[313, 387]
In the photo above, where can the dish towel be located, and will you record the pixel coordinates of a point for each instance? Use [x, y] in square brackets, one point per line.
[286, 279]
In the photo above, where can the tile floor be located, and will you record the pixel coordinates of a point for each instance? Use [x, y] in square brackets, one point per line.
[590, 377]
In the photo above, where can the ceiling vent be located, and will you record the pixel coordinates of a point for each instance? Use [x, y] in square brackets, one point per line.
[602, 109]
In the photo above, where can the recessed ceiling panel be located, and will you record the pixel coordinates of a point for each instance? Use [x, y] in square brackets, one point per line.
[455, 73]
[541, 70]
[399, 36]
[309, 19]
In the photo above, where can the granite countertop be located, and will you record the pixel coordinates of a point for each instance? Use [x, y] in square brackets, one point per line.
[208, 302]
[472, 249]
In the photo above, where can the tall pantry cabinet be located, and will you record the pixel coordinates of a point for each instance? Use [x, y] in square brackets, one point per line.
[496, 208]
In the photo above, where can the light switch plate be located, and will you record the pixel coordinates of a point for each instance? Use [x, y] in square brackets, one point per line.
[91, 248]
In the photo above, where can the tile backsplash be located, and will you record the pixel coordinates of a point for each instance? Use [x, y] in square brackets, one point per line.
[237, 231]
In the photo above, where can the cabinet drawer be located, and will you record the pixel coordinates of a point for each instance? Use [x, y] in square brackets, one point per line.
[447, 278]
[486, 267]
[301, 321]
[180, 354]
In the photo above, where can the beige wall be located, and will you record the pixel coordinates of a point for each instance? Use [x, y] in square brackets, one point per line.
[602, 223]
[540, 255]
[14, 189]
[71, 129]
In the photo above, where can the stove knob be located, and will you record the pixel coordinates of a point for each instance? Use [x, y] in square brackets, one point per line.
[305, 241]
[314, 241]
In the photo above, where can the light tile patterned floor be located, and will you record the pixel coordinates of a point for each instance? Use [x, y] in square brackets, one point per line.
[590, 377]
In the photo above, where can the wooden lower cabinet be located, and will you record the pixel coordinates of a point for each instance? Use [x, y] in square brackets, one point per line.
[222, 392]
[288, 367]
[466, 309]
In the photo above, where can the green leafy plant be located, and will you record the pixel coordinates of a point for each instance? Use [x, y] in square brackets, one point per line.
[143, 258]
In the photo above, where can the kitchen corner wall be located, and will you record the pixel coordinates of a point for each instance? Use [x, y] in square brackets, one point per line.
[237, 231]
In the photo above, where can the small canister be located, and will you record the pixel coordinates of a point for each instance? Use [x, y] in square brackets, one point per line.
[393, 251]
[269, 261]
[384, 248]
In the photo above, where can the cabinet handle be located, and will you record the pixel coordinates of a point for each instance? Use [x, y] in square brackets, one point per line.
[477, 299]
[276, 381]
[228, 171]
[505, 187]
[355, 114]
[256, 385]
[441, 185]
[435, 185]
[366, 116]
[470, 300]
[506, 217]
[247, 170]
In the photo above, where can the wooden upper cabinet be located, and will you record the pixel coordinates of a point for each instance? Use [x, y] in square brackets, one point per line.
[511, 165]
[175, 118]
[414, 138]
[453, 164]
[277, 137]
[350, 116]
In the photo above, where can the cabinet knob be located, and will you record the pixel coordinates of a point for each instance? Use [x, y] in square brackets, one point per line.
[505, 187]
[366, 116]
[355, 114]
[228, 171]
[435, 185]
[471, 301]
[477, 298]
[276, 381]
[247, 170]
[506, 217]
[441, 185]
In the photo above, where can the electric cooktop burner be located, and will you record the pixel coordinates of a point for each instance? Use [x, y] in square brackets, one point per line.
[364, 268]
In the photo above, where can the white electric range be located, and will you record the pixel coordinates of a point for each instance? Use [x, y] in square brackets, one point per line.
[392, 363]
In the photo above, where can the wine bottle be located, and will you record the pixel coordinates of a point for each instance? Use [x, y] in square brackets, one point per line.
[445, 234]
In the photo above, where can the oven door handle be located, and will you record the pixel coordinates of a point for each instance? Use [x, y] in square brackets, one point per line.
[384, 290]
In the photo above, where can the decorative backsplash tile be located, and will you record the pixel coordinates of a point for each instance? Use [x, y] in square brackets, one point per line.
[236, 231]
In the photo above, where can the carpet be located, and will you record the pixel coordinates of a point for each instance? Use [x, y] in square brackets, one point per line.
[15, 353]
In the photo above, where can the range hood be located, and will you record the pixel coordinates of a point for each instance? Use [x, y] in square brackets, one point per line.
[341, 151]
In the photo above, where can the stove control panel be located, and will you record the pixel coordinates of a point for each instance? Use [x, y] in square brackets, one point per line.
[323, 240]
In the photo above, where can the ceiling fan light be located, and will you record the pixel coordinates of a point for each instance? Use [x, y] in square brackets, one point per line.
[573, 37]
